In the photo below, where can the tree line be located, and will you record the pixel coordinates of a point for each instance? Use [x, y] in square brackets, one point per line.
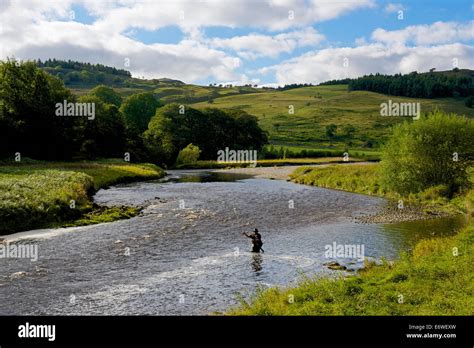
[139, 125]
[69, 64]
[293, 86]
[427, 85]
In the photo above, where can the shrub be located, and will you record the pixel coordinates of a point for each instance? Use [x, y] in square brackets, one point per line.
[434, 150]
[188, 155]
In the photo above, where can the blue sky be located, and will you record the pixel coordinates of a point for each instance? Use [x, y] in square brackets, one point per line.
[246, 41]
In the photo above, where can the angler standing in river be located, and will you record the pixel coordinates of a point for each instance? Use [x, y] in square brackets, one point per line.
[256, 241]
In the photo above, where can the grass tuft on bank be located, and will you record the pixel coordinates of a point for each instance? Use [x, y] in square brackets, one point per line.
[40, 194]
[436, 279]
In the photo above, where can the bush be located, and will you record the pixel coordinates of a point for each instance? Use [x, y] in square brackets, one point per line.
[188, 155]
[434, 150]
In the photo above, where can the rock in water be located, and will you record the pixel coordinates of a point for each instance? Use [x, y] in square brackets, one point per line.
[17, 275]
[335, 266]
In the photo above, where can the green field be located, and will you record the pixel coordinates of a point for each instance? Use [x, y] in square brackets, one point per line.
[39, 194]
[317, 107]
[189, 94]
[176, 93]
[314, 108]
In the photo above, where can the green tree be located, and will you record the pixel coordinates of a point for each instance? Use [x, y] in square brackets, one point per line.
[173, 127]
[107, 95]
[138, 109]
[434, 150]
[188, 155]
[29, 125]
[103, 136]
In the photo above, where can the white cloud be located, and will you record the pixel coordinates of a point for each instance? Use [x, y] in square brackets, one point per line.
[257, 45]
[39, 29]
[29, 33]
[388, 54]
[436, 33]
[361, 41]
[390, 8]
[32, 29]
[271, 14]
[328, 64]
[437, 45]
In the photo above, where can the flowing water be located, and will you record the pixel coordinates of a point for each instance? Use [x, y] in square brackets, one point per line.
[185, 254]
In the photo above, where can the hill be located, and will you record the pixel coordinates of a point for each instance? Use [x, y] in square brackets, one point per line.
[317, 107]
[355, 114]
[82, 77]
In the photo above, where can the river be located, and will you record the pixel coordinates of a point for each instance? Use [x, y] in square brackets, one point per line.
[186, 255]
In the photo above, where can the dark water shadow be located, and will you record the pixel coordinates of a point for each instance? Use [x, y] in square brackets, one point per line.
[203, 177]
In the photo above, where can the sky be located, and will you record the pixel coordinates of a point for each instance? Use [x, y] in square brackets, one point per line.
[264, 42]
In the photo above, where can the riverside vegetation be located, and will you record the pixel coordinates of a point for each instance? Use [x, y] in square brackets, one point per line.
[428, 162]
[40, 194]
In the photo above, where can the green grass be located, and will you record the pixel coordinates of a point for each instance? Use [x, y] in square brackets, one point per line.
[316, 107]
[174, 93]
[430, 281]
[34, 195]
[365, 179]
[103, 214]
[193, 93]
[302, 151]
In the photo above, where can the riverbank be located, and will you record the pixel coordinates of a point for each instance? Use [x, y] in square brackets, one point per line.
[362, 177]
[365, 179]
[435, 279]
[55, 194]
[283, 172]
[266, 163]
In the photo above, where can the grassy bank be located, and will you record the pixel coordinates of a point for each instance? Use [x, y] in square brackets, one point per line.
[265, 163]
[43, 194]
[365, 179]
[279, 151]
[436, 279]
